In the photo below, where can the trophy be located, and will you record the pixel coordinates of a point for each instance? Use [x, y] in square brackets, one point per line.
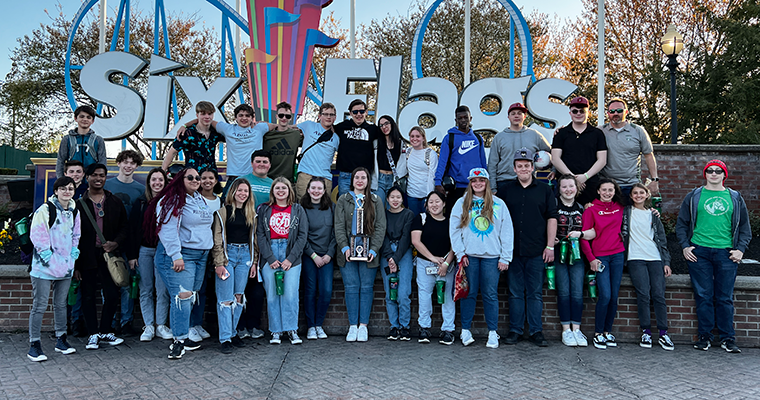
[359, 243]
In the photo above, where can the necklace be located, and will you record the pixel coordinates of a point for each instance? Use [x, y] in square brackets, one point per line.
[99, 205]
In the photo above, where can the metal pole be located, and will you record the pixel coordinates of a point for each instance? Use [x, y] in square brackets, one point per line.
[467, 7]
[238, 50]
[352, 34]
[600, 85]
[673, 65]
[102, 42]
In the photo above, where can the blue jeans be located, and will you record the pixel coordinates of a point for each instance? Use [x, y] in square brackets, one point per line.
[713, 277]
[608, 286]
[384, 184]
[526, 281]
[483, 274]
[344, 183]
[318, 284]
[152, 303]
[196, 316]
[359, 282]
[569, 280]
[228, 310]
[399, 310]
[181, 282]
[426, 285]
[282, 310]
[417, 206]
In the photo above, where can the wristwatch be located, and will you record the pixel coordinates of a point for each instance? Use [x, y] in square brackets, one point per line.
[656, 179]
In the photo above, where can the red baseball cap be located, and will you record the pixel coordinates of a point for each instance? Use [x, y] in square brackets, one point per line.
[517, 106]
[579, 102]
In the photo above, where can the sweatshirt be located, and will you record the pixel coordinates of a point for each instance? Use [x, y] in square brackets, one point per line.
[61, 239]
[191, 229]
[480, 238]
[503, 147]
[606, 219]
[468, 153]
[321, 239]
[398, 229]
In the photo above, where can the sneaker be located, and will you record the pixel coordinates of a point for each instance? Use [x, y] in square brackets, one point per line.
[424, 336]
[666, 343]
[405, 334]
[294, 339]
[646, 341]
[35, 352]
[353, 331]
[568, 338]
[321, 333]
[243, 333]
[237, 342]
[393, 334]
[311, 334]
[62, 345]
[362, 335]
[148, 333]
[176, 350]
[580, 338]
[703, 343]
[538, 339]
[127, 330]
[600, 342]
[730, 346]
[194, 335]
[512, 338]
[227, 347]
[164, 332]
[610, 340]
[447, 338]
[92, 342]
[191, 345]
[257, 333]
[466, 337]
[204, 334]
[493, 340]
[110, 338]
[275, 338]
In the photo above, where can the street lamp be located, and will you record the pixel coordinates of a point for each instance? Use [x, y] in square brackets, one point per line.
[672, 44]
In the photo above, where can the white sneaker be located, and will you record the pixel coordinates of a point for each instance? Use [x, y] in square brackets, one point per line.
[275, 338]
[148, 333]
[353, 331]
[202, 332]
[311, 334]
[193, 335]
[466, 337]
[580, 338]
[92, 342]
[294, 339]
[164, 332]
[493, 340]
[568, 338]
[321, 333]
[363, 335]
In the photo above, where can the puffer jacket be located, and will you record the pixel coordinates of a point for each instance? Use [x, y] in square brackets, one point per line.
[61, 238]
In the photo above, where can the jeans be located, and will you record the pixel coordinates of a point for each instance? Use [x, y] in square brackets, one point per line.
[127, 306]
[483, 274]
[149, 280]
[569, 280]
[359, 282]
[254, 295]
[184, 281]
[399, 310]
[526, 281]
[90, 278]
[282, 309]
[426, 286]
[196, 316]
[384, 185]
[649, 277]
[713, 277]
[228, 309]
[318, 285]
[608, 286]
[75, 311]
[344, 183]
[41, 294]
[416, 205]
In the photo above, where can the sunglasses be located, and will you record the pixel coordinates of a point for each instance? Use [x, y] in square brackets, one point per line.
[286, 116]
[328, 114]
[577, 111]
[715, 171]
[616, 111]
[193, 178]
[358, 111]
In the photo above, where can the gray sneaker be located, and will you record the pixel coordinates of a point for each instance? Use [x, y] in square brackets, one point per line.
[243, 333]
[257, 333]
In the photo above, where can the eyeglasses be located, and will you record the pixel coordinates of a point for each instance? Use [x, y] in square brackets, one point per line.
[358, 111]
[616, 111]
[716, 171]
[577, 111]
[286, 116]
[193, 178]
[66, 189]
[328, 114]
[384, 124]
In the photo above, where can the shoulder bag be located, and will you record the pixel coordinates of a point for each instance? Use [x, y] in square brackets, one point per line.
[117, 267]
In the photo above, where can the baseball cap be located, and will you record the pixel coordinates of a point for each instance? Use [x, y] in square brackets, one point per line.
[478, 173]
[524, 154]
[580, 102]
[517, 106]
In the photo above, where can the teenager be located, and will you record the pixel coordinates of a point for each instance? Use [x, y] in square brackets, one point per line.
[198, 141]
[81, 143]
[419, 164]
[318, 150]
[283, 142]
[357, 146]
[389, 150]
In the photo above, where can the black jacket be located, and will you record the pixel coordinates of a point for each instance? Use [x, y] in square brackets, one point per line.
[114, 229]
[660, 238]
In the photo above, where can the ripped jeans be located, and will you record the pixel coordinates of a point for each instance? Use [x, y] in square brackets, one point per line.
[179, 282]
[228, 310]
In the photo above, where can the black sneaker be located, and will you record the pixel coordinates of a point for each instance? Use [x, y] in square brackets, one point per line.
[646, 341]
[703, 343]
[600, 342]
[110, 339]
[447, 338]
[730, 346]
[62, 345]
[35, 352]
[237, 342]
[512, 338]
[393, 335]
[176, 350]
[128, 330]
[191, 345]
[78, 329]
[227, 348]
[424, 336]
[405, 334]
[538, 339]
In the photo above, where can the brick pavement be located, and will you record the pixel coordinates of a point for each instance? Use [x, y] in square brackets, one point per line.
[377, 370]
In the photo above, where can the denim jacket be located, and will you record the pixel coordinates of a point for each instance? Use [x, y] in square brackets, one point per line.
[687, 220]
[660, 238]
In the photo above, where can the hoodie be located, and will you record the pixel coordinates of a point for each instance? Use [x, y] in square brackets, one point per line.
[607, 220]
[467, 153]
[61, 239]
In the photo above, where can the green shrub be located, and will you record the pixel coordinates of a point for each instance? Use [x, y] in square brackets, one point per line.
[669, 222]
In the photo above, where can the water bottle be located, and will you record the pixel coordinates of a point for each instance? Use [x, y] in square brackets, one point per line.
[564, 252]
[550, 276]
[575, 250]
[134, 288]
[393, 286]
[657, 203]
[73, 291]
[279, 282]
[440, 291]
[591, 280]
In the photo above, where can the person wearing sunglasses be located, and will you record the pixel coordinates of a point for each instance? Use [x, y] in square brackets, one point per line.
[626, 142]
[713, 230]
[357, 147]
[318, 151]
[580, 149]
[283, 142]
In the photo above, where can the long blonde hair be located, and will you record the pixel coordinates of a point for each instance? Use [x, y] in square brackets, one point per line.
[486, 212]
[249, 207]
[291, 193]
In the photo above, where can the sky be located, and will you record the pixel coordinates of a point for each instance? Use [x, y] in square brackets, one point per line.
[28, 15]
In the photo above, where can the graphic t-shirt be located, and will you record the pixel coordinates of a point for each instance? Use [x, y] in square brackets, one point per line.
[356, 148]
[713, 227]
[283, 145]
[259, 187]
[569, 219]
[279, 223]
[241, 143]
[435, 235]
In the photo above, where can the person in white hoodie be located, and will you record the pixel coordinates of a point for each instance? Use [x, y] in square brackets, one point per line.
[481, 237]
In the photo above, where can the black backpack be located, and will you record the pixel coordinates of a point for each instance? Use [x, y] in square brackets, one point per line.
[28, 247]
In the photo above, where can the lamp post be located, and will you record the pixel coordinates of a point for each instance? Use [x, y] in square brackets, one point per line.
[672, 44]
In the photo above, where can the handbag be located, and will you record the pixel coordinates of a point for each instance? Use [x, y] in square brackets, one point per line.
[117, 267]
[461, 284]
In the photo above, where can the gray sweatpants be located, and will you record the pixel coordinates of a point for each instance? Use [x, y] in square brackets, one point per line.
[41, 293]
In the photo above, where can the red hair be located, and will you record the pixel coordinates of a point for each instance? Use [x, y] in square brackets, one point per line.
[173, 195]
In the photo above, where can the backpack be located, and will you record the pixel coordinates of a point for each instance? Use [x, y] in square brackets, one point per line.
[27, 247]
[90, 153]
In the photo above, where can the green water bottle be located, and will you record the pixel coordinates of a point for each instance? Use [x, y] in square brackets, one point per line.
[73, 291]
[564, 252]
[134, 288]
[575, 250]
[591, 280]
[279, 282]
[393, 287]
[550, 276]
[440, 291]
[657, 203]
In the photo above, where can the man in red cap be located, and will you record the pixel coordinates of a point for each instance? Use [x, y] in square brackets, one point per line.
[714, 232]
[509, 141]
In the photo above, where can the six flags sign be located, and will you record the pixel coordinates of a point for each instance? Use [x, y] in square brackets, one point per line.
[279, 65]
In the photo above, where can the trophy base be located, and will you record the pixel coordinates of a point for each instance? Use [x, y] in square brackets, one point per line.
[355, 259]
